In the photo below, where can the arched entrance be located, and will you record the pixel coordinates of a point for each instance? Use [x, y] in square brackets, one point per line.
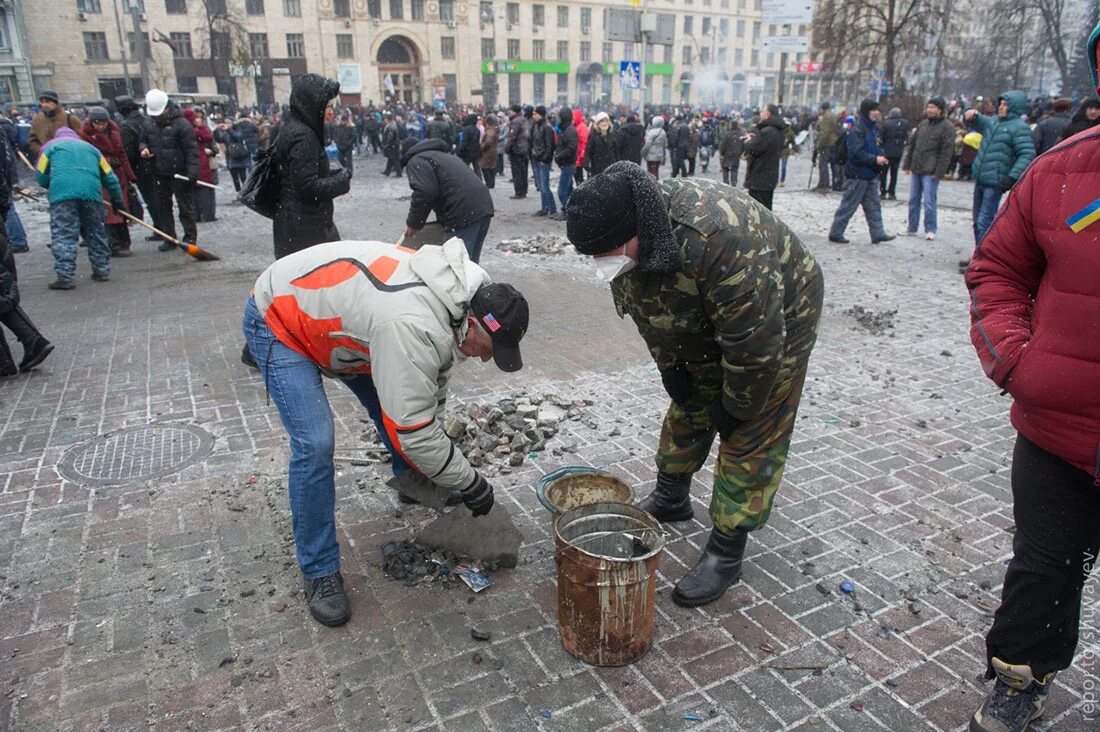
[590, 85]
[398, 60]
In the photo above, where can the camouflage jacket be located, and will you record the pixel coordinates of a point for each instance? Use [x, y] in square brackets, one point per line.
[746, 299]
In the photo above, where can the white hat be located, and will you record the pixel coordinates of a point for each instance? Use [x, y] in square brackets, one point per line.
[155, 102]
[601, 116]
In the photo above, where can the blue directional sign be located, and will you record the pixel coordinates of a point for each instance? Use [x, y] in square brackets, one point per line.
[630, 74]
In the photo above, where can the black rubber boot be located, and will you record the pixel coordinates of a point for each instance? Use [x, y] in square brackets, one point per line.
[34, 353]
[7, 363]
[328, 602]
[717, 570]
[671, 499]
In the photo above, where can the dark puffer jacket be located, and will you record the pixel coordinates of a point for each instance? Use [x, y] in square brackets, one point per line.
[602, 151]
[764, 151]
[565, 155]
[171, 139]
[1007, 148]
[895, 133]
[631, 137]
[470, 148]
[304, 213]
[442, 183]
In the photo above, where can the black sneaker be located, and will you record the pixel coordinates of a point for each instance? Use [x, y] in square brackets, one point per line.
[35, 353]
[838, 240]
[882, 239]
[123, 252]
[154, 237]
[62, 285]
[328, 603]
[166, 246]
[542, 213]
[247, 360]
[516, 198]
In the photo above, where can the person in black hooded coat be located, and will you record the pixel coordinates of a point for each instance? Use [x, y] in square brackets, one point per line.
[763, 147]
[469, 148]
[631, 137]
[303, 216]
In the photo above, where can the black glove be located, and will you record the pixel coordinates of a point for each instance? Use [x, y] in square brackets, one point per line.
[1006, 184]
[677, 381]
[117, 207]
[479, 496]
[722, 420]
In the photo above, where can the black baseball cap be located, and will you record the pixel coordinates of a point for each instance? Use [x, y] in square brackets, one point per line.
[501, 310]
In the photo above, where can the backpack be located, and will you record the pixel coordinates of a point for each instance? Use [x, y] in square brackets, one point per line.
[841, 157]
[236, 149]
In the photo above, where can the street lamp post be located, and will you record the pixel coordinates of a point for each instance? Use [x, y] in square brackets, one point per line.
[139, 42]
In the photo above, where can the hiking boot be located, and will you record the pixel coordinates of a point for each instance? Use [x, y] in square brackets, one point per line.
[154, 237]
[718, 568]
[62, 285]
[123, 252]
[881, 239]
[671, 499]
[328, 602]
[247, 359]
[100, 277]
[516, 198]
[1016, 700]
[838, 240]
[166, 246]
[35, 353]
[7, 363]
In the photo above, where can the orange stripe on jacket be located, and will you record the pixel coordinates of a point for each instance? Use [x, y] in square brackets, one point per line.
[393, 431]
[329, 275]
[383, 268]
[309, 336]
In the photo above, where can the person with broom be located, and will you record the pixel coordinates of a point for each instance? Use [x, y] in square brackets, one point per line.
[100, 130]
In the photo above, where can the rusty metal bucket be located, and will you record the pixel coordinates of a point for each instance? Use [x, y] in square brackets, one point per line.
[607, 556]
[567, 488]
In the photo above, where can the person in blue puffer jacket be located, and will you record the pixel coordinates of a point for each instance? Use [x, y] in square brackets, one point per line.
[865, 162]
[1007, 149]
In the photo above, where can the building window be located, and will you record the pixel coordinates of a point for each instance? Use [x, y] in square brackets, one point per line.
[513, 89]
[345, 45]
[771, 30]
[538, 15]
[181, 45]
[586, 19]
[132, 45]
[447, 11]
[723, 55]
[257, 45]
[540, 88]
[175, 7]
[563, 50]
[88, 6]
[417, 9]
[450, 81]
[667, 55]
[397, 9]
[689, 25]
[488, 48]
[188, 84]
[725, 3]
[295, 45]
[771, 60]
[686, 58]
[95, 46]
[755, 31]
[538, 49]
[754, 59]
[254, 7]
[221, 45]
[724, 27]
[513, 49]
[563, 87]
[512, 13]
[704, 55]
[586, 50]
[447, 47]
[608, 50]
[738, 57]
[341, 8]
[374, 9]
[740, 29]
[292, 8]
[563, 16]
[706, 26]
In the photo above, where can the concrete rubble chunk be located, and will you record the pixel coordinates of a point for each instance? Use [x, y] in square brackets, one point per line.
[492, 538]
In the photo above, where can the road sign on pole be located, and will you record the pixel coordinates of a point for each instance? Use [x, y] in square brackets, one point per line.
[788, 12]
[630, 74]
[787, 44]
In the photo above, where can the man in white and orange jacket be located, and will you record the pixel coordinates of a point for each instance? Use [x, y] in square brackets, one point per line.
[389, 322]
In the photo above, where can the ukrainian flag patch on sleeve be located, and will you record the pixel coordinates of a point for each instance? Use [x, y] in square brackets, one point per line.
[1086, 216]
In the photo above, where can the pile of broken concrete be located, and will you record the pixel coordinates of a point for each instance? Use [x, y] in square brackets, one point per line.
[544, 244]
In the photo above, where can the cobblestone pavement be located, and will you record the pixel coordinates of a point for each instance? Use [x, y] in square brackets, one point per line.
[170, 602]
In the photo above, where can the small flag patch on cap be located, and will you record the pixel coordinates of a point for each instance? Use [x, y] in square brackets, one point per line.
[491, 323]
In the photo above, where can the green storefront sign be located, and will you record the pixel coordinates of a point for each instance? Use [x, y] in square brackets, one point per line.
[524, 67]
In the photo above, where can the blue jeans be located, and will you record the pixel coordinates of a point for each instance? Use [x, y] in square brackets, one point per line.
[70, 220]
[922, 186]
[986, 201]
[473, 236]
[294, 384]
[17, 235]
[859, 192]
[565, 185]
[542, 181]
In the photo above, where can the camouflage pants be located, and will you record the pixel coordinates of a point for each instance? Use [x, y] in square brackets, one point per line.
[750, 463]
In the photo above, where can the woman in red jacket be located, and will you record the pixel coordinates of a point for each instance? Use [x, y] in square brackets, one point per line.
[1034, 282]
[101, 131]
[204, 197]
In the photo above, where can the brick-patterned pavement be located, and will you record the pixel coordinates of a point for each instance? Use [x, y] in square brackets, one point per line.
[171, 603]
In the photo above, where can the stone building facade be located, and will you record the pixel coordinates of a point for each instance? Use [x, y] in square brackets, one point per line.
[416, 50]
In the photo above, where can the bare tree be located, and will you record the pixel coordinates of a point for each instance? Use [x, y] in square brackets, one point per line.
[223, 35]
[878, 32]
[1051, 21]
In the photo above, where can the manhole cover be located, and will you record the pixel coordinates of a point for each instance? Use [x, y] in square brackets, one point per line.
[135, 454]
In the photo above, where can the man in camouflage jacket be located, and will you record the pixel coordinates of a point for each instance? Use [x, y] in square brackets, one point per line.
[727, 299]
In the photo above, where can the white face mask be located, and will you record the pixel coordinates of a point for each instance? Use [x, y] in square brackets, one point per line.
[608, 268]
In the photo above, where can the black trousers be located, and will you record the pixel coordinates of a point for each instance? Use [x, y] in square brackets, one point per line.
[240, 175]
[345, 157]
[1057, 511]
[578, 175]
[489, 175]
[691, 164]
[375, 142]
[679, 165]
[764, 197]
[729, 175]
[519, 173]
[118, 236]
[21, 327]
[891, 171]
[393, 163]
[167, 187]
